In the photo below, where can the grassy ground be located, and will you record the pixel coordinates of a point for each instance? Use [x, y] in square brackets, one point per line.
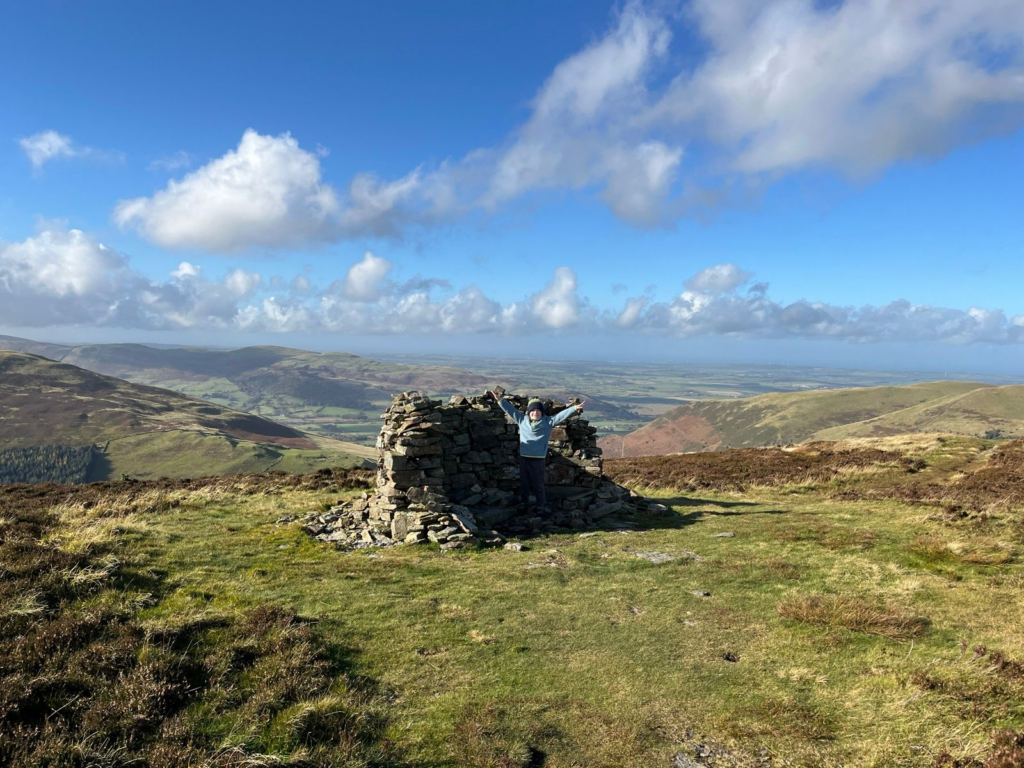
[825, 632]
[183, 453]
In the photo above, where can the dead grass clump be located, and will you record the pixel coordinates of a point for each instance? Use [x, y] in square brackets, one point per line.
[935, 550]
[854, 614]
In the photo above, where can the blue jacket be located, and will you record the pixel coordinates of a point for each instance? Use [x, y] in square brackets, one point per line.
[534, 435]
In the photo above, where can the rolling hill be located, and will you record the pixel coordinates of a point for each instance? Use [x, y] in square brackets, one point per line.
[145, 431]
[781, 418]
[329, 393]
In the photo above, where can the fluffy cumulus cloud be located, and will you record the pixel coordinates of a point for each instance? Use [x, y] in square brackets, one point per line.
[365, 280]
[267, 192]
[64, 277]
[722, 301]
[557, 306]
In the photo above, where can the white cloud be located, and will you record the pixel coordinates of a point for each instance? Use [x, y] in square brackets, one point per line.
[857, 86]
[62, 277]
[558, 305]
[185, 269]
[242, 283]
[170, 163]
[713, 305]
[639, 180]
[365, 279]
[720, 278]
[44, 146]
[631, 312]
[576, 136]
[265, 193]
[269, 193]
[782, 85]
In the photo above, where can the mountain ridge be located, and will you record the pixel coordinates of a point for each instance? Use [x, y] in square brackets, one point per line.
[146, 431]
[969, 408]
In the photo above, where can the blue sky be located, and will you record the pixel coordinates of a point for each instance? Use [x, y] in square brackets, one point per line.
[782, 181]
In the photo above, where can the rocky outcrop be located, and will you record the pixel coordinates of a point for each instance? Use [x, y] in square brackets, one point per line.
[449, 473]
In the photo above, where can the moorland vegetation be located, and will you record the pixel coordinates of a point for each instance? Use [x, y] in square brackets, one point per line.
[852, 603]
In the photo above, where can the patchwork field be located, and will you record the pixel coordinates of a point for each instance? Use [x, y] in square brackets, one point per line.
[855, 603]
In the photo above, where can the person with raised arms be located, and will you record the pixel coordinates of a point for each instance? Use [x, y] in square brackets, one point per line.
[534, 434]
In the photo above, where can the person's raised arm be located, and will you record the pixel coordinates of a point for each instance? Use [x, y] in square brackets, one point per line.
[513, 413]
[561, 416]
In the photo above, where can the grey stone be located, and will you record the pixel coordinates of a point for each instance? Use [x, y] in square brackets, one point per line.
[514, 546]
[725, 535]
[701, 593]
[656, 557]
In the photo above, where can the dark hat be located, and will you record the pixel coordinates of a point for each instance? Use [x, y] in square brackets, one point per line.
[535, 405]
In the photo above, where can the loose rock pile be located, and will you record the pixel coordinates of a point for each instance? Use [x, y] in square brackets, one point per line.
[449, 473]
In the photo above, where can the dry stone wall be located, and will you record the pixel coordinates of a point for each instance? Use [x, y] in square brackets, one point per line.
[449, 473]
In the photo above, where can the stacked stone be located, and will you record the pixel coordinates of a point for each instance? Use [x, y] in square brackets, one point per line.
[449, 473]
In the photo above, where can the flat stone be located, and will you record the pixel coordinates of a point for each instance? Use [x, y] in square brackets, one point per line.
[656, 557]
[514, 546]
[701, 593]
[725, 535]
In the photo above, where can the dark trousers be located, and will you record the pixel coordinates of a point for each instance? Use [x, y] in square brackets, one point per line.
[531, 480]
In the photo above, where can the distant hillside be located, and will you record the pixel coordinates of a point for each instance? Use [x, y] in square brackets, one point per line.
[144, 431]
[782, 418]
[329, 393]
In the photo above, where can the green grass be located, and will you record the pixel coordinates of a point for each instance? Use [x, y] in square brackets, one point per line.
[824, 632]
[583, 651]
[182, 453]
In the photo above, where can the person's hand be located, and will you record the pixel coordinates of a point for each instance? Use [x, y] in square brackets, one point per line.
[579, 406]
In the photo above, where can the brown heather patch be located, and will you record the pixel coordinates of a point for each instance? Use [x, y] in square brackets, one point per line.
[854, 614]
[739, 469]
[1008, 750]
[995, 486]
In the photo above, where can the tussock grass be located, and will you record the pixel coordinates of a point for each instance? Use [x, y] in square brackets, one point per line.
[855, 614]
[934, 550]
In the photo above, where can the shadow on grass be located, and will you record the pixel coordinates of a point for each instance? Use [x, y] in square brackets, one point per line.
[675, 520]
[645, 521]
